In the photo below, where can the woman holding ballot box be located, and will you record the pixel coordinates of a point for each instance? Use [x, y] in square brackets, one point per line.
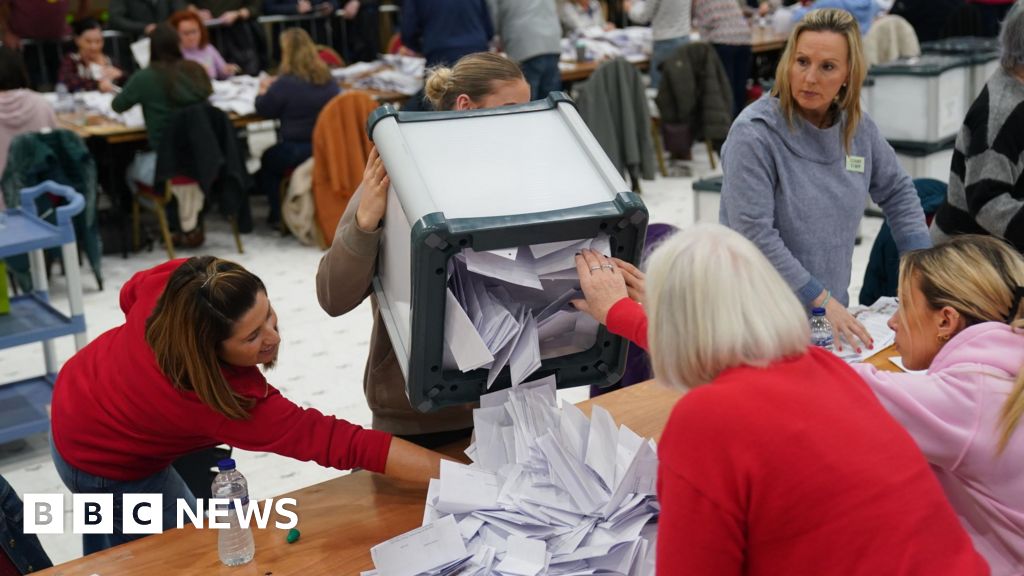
[183, 374]
[961, 318]
[801, 163]
[343, 281]
[778, 460]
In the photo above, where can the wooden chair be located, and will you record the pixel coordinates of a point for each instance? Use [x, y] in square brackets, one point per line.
[157, 203]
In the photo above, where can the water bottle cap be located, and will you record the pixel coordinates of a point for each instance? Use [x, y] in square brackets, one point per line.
[226, 464]
[817, 311]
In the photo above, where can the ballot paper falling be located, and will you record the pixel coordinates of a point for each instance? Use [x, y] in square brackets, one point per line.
[549, 492]
[510, 307]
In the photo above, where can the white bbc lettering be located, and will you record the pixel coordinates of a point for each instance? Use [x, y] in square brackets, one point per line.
[293, 518]
[44, 514]
[194, 516]
[142, 513]
[92, 513]
[262, 514]
[218, 509]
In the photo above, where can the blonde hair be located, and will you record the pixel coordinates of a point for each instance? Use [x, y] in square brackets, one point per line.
[979, 277]
[299, 58]
[716, 302]
[473, 75]
[827, 20]
[196, 313]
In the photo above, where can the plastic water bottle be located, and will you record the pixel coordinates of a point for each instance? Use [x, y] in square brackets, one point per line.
[821, 329]
[64, 101]
[234, 544]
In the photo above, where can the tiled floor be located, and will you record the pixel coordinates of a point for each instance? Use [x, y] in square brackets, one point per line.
[322, 359]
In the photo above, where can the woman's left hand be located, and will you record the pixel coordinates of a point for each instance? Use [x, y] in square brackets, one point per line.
[602, 283]
[112, 73]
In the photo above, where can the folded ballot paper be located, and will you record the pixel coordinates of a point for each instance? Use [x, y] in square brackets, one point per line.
[549, 492]
[510, 307]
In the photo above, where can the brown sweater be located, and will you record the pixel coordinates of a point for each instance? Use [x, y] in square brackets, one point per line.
[343, 281]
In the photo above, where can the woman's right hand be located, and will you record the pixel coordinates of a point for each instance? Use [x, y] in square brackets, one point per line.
[375, 193]
[845, 326]
[635, 279]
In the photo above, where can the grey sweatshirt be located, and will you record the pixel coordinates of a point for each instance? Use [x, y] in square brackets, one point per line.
[794, 193]
[528, 28]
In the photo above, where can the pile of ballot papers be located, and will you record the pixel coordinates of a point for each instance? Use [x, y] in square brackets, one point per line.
[510, 307]
[549, 492]
[633, 43]
[875, 319]
[391, 73]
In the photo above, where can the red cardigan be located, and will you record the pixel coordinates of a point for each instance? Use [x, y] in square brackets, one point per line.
[628, 319]
[797, 469]
[115, 414]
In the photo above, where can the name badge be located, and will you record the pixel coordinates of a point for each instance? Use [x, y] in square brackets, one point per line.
[855, 164]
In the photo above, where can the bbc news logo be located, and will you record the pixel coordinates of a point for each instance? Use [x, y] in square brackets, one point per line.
[144, 513]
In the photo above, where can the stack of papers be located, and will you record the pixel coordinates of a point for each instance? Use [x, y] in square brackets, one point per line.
[549, 492]
[875, 319]
[392, 73]
[236, 94]
[510, 307]
[633, 43]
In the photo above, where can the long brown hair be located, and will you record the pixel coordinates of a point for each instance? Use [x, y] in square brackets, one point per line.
[299, 58]
[203, 299]
[979, 277]
[473, 75]
[826, 20]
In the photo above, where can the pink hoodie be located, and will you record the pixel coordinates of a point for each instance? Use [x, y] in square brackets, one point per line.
[21, 111]
[952, 412]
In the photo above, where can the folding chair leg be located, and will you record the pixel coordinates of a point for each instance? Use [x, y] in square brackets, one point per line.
[234, 230]
[659, 151]
[711, 153]
[136, 233]
[165, 231]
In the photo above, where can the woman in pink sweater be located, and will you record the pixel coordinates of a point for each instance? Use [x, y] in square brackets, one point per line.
[962, 320]
[21, 109]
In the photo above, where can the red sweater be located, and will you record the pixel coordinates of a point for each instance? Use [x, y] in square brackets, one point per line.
[797, 469]
[628, 319]
[117, 416]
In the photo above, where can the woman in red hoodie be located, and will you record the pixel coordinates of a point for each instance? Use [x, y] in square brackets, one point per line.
[182, 374]
[779, 459]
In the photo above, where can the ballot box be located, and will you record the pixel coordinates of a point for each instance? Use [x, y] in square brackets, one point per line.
[486, 211]
[927, 161]
[920, 100]
[981, 53]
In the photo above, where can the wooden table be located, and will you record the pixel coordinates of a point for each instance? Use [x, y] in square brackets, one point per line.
[766, 40]
[113, 132]
[341, 519]
[577, 71]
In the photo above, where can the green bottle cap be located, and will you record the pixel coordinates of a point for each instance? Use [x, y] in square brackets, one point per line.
[293, 535]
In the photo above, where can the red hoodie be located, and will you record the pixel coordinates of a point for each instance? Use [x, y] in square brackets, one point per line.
[117, 416]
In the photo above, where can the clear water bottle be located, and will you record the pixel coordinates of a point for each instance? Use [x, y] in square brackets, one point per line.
[821, 329]
[235, 544]
[64, 101]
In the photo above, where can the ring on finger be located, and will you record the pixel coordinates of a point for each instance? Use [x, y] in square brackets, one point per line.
[594, 268]
[608, 266]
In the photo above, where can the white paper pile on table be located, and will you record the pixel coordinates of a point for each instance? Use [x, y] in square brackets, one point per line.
[549, 492]
[875, 319]
[392, 73]
[236, 94]
[633, 43]
[510, 307]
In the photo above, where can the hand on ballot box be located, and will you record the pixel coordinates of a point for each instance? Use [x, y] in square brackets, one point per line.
[604, 282]
[375, 193]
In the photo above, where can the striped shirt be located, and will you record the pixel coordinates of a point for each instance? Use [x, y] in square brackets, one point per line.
[669, 19]
[986, 181]
[721, 22]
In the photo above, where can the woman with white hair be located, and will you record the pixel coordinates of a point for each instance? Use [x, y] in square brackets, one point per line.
[987, 175]
[779, 460]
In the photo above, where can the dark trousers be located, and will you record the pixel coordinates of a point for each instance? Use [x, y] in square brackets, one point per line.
[992, 16]
[542, 74]
[736, 60]
[276, 162]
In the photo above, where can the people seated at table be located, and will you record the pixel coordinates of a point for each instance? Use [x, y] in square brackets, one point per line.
[987, 176]
[800, 164]
[778, 459]
[137, 18]
[169, 83]
[182, 373]
[240, 38]
[670, 28]
[343, 279]
[195, 45]
[21, 110]
[721, 23]
[579, 16]
[961, 318]
[301, 89]
[88, 68]
[531, 35]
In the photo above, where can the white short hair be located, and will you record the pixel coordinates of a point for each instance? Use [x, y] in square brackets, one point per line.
[716, 302]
